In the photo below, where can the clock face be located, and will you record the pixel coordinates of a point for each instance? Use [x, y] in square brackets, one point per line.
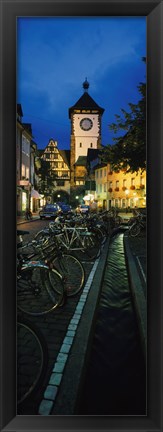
[86, 124]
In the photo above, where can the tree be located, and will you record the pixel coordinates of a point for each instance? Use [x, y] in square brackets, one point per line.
[79, 192]
[129, 151]
[46, 184]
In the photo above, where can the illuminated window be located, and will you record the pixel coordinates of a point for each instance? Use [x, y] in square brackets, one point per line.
[27, 173]
[24, 201]
[23, 170]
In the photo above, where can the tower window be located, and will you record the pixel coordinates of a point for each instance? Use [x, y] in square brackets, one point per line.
[80, 145]
[91, 144]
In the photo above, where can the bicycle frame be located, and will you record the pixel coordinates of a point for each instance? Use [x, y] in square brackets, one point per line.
[70, 235]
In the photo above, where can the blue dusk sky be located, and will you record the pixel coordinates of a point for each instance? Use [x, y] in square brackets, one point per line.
[56, 54]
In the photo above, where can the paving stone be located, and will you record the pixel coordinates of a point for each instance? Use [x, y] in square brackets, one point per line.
[70, 333]
[76, 315]
[74, 321]
[83, 296]
[55, 379]
[50, 392]
[86, 289]
[72, 327]
[45, 407]
[65, 348]
[82, 299]
[59, 366]
[80, 307]
[62, 357]
[68, 340]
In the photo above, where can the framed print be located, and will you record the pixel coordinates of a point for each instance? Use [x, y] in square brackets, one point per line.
[84, 122]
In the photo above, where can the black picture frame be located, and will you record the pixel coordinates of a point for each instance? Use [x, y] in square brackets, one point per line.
[10, 10]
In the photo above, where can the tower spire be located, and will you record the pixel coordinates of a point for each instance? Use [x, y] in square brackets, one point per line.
[85, 85]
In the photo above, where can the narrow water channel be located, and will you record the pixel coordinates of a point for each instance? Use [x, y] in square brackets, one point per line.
[115, 382]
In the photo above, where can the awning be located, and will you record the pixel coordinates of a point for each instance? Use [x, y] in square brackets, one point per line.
[35, 194]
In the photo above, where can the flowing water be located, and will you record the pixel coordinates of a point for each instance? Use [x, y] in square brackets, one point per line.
[115, 382]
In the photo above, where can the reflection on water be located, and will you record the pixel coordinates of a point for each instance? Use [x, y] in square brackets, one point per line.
[115, 379]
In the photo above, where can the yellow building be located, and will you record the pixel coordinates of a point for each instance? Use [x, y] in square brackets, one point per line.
[119, 189]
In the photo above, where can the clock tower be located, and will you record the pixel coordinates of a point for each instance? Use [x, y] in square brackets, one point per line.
[85, 117]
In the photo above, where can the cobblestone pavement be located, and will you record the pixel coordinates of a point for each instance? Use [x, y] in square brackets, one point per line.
[53, 327]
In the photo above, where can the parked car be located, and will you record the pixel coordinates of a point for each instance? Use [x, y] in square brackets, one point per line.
[65, 208]
[50, 211]
[82, 208]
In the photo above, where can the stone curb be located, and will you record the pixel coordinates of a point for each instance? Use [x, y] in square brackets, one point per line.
[75, 369]
[138, 294]
[27, 221]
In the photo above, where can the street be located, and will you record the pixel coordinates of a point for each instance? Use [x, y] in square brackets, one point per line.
[60, 326]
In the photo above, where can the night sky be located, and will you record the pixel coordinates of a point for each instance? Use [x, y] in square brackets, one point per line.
[56, 54]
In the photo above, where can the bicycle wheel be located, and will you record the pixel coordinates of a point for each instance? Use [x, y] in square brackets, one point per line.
[35, 294]
[42, 237]
[101, 234]
[32, 358]
[134, 230]
[91, 248]
[72, 271]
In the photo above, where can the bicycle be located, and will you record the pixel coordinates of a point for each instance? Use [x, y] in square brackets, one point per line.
[32, 360]
[70, 268]
[83, 243]
[138, 224]
[40, 289]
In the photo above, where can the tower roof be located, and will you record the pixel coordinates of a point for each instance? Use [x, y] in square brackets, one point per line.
[86, 102]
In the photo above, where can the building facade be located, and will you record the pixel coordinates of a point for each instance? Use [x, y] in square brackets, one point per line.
[119, 189]
[59, 168]
[23, 155]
